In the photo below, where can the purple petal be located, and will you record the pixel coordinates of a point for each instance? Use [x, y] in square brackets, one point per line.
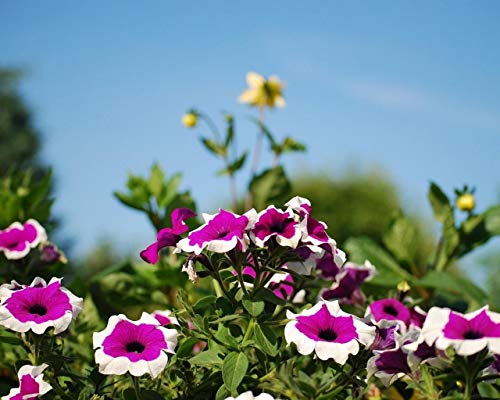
[178, 216]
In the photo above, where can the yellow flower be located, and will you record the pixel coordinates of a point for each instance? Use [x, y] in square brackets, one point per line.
[189, 120]
[466, 202]
[263, 93]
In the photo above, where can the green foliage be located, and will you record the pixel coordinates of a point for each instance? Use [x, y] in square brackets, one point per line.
[156, 195]
[22, 197]
[356, 204]
[19, 139]
[270, 187]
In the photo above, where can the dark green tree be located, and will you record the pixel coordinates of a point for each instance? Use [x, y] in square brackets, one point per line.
[19, 139]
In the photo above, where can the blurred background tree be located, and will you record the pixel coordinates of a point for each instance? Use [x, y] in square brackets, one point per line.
[19, 139]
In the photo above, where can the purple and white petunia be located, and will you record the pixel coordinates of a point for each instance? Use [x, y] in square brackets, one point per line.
[168, 237]
[328, 331]
[300, 205]
[330, 263]
[389, 365]
[18, 239]
[282, 285]
[308, 256]
[165, 317]
[314, 232]
[390, 310]
[249, 396]
[280, 225]
[31, 383]
[38, 307]
[466, 333]
[405, 358]
[221, 232]
[348, 282]
[139, 347]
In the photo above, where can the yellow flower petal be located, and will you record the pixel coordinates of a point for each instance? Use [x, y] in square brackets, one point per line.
[255, 80]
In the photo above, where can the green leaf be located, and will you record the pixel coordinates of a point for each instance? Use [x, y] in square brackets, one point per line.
[12, 340]
[234, 369]
[171, 190]
[151, 395]
[400, 238]
[270, 187]
[291, 145]
[234, 166]
[492, 220]
[229, 131]
[156, 182]
[389, 273]
[129, 394]
[206, 358]
[254, 308]
[129, 201]
[224, 335]
[267, 133]
[439, 202]
[214, 147]
[186, 347]
[443, 280]
[265, 294]
[223, 393]
[266, 340]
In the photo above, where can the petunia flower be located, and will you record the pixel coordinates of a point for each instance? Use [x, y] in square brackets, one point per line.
[348, 281]
[38, 306]
[308, 257]
[466, 333]
[139, 347]
[281, 285]
[50, 253]
[386, 336]
[221, 232]
[405, 358]
[278, 224]
[300, 205]
[331, 262]
[389, 366]
[18, 239]
[249, 396]
[168, 237]
[164, 317]
[263, 93]
[328, 331]
[390, 310]
[31, 383]
[314, 232]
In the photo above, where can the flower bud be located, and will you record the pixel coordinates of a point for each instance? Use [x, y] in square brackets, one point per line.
[189, 120]
[466, 202]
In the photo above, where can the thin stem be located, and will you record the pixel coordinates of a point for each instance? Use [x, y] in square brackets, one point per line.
[249, 331]
[242, 282]
[137, 389]
[232, 181]
[256, 156]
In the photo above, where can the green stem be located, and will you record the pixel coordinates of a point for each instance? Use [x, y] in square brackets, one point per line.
[137, 389]
[249, 331]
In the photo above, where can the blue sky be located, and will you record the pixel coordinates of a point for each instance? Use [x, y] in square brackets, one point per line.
[413, 87]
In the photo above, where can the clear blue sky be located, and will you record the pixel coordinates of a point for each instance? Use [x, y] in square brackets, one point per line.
[411, 86]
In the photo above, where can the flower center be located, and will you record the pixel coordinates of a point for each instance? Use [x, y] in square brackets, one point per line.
[135, 347]
[222, 234]
[38, 309]
[328, 335]
[471, 334]
[279, 226]
[391, 310]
